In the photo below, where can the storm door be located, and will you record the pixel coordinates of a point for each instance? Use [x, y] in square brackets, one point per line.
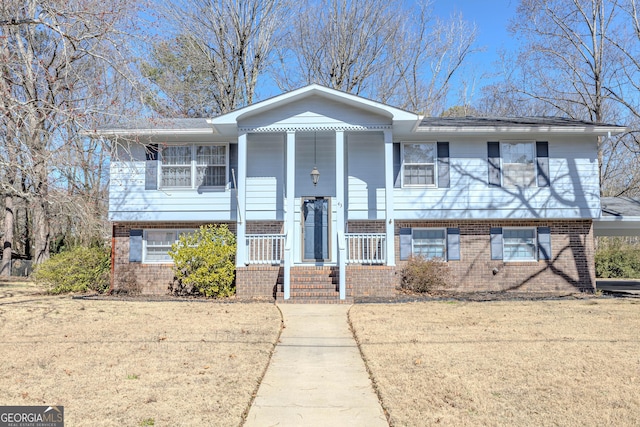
[315, 228]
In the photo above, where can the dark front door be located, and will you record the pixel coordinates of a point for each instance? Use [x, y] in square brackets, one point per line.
[315, 228]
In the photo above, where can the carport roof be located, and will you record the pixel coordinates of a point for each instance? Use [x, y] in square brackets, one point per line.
[620, 217]
[620, 206]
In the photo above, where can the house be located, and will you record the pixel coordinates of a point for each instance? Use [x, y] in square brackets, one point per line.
[330, 193]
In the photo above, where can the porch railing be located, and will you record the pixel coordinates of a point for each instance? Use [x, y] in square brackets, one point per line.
[366, 248]
[265, 248]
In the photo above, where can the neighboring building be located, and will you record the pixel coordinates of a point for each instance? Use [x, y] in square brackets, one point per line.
[508, 203]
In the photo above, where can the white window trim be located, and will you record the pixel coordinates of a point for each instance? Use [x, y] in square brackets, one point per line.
[435, 165]
[176, 231]
[413, 230]
[535, 244]
[194, 165]
[502, 162]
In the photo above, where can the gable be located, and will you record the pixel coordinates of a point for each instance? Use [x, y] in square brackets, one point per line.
[313, 112]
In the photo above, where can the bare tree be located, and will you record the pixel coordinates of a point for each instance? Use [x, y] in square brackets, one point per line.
[220, 50]
[378, 49]
[61, 66]
[567, 65]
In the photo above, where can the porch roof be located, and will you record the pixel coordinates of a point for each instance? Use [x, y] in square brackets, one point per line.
[401, 120]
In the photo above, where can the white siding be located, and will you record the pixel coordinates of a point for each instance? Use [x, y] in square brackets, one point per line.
[365, 170]
[321, 147]
[574, 190]
[129, 201]
[265, 176]
[314, 111]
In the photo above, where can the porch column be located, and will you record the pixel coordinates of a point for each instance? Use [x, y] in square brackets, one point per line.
[340, 180]
[340, 217]
[289, 218]
[241, 232]
[388, 196]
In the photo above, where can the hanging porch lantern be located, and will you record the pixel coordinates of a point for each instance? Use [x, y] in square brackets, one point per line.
[315, 176]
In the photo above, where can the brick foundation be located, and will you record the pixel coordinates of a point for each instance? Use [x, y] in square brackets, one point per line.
[371, 280]
[257, 281]
[571, 269]
[135, 277]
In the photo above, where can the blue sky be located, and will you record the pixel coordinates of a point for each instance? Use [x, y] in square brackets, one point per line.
[490, 16]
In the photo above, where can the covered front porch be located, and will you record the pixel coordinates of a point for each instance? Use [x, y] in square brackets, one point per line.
[311, 162]
[313, 231]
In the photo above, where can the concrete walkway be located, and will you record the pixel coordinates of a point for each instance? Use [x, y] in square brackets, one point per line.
[316, 376]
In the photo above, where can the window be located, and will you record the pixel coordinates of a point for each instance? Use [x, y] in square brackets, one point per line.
[157, 244]
[519, 244]
[518, 167]
[429, 243]
[194, 166]
[419, 164]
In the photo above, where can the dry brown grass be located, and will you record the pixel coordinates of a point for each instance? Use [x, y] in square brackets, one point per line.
[117, 363]
[574, 362]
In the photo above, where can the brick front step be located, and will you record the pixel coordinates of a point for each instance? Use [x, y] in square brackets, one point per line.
[313, 285]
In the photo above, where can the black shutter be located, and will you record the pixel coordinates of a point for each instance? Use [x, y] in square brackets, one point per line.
[542, 161]
[453, 244]
[233, 164]
[135, 245]
[493, 155]
[405, 243]
[397, 165]
[443, 165]
[151, 167]
[544, 243]
[496, 243]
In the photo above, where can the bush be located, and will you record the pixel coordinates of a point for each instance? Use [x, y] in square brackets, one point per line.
[79, 269]
[424, 275]
[618, 262]
[204, 262]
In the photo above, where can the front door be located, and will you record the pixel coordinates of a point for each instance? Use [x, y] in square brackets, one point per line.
[315, 228]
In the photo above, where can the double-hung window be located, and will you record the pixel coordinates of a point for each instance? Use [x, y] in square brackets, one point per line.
[419, 164]
[519, 244]
[429, 242]
[518, 163]
[157, 244]
[194, 166]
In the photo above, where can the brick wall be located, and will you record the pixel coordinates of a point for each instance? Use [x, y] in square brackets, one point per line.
[257, 280]
[366, 227]
[265, 227]
[139, 278]
[571, 269]
[371, 280]
[572, 266]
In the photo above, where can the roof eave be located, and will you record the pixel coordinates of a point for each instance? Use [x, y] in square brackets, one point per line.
[150, 132]
[594, 130]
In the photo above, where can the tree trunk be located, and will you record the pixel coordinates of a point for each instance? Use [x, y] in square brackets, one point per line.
[41, 229]
[7, 241]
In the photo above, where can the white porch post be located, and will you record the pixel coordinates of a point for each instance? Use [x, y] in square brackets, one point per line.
[241, 232]
[340, 217]
[289, 219]
[388, 196]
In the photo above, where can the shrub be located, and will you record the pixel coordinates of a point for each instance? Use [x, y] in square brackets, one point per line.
[204, 262]
[424, 275]
[618, 262]
[79, 269]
